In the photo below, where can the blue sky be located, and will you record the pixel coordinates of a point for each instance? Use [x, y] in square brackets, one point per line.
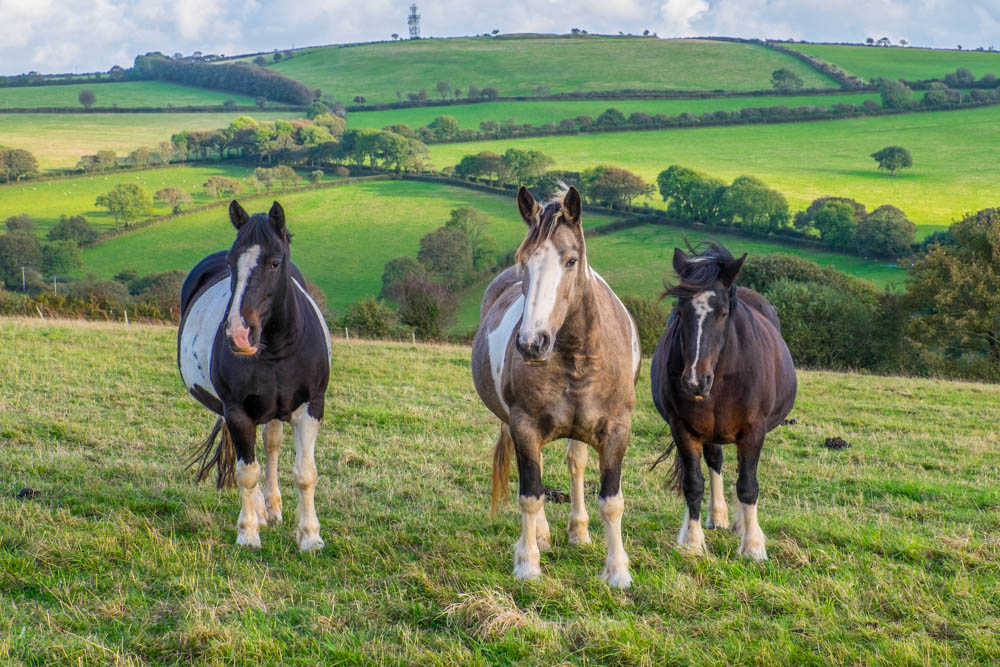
[87, 35]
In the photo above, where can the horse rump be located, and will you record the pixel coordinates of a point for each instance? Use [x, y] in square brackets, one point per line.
[675, 478]
[502, 454]
[223, 459]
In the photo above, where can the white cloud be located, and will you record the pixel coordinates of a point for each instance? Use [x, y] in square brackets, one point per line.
[88, 35]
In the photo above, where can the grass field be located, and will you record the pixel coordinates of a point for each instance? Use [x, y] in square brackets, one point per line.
[885, 553]
[470, 115]
[45, 201]
[518, 66]
[121, 94]
[951, 152]
[911, 64]
[58, 140]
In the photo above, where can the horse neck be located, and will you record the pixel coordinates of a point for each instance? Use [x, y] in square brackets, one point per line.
[581, 330]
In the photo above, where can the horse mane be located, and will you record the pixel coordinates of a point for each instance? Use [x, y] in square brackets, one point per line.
[549, 221]
[258, 230]
[700, 271]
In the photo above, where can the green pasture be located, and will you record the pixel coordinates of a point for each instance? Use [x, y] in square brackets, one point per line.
[952, 174]
[912, 64]
[884, 553]
[637, 260]
[518, 66]
[119, 94]
[58, 140]
[548, 111]
[46, 201]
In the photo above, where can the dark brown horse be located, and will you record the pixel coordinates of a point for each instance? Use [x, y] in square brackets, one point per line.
[721, 373]
[557, 356]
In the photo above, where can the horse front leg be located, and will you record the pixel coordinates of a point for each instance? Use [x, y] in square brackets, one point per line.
[746, 526]
[305, 424]
[530, 499]
[579, 521]
[243, 433]
[692, 482]
[718, 511]
[611, 503]
[273, 437]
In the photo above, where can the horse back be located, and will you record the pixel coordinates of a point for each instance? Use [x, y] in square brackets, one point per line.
[207, 272]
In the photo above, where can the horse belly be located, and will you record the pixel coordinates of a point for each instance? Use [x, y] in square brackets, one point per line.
[197, 339]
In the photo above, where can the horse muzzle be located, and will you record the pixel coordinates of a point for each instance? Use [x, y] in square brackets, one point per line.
[240, 341]
[697, 388]
[535, 348]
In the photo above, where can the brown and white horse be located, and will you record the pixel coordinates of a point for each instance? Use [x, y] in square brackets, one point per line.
[557, 356]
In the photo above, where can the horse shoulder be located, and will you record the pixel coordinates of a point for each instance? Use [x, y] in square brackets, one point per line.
[490, 350]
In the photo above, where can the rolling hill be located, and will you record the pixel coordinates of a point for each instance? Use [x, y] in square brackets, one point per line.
[910, 63]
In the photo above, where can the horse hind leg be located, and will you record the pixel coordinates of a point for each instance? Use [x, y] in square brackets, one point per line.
[273, 437]
[579, 521]
[745, 525]
[306, 427]
[718, 513]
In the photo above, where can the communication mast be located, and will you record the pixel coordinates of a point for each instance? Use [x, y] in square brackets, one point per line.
[414, 21]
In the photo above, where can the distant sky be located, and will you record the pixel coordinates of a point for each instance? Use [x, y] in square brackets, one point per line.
[87, 35]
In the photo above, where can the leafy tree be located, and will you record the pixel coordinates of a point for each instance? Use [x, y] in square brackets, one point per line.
[473, 93]
[315, 109]
[218, 187]
[526, 167]
[18, 249]
[315, 176]
[60, 257]
[836, 224]
[960, 78]
[690, 195]
[474, 224]
[895, 94]
[87, 98]
[443, 89]
[785, 80]
[804, 219]
[74, 228]
[611, 118]
[954, 291]
[17, 164]
[396, 272]
[445, 253]
[426, 306]
[260, 61]
[893, 158]
[126, 203]
[444, 127]
[174, 197]
[613, 186]
[335, 125]
[489, 93]
[20, 223]
[369, 318]
[140, 157]
[886, 232]
[359, 99]
[103, 160]
[755, 206]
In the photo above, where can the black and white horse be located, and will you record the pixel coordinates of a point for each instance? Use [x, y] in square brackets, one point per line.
[254, 348]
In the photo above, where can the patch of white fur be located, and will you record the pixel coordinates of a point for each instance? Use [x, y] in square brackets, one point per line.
[527, 559]
[498, 340]
[718, 516]
[545, 271]
[636, 348]
[305, 429]
[691, 536]
[248, 526]
[578, 526]
[319, 316]
[246, 263]
[751, 536]
[615, 571]
[701, 309]
[198, 336]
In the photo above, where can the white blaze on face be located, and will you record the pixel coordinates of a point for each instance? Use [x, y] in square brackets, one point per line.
[701, 310]
[237, 328]
[545, 271]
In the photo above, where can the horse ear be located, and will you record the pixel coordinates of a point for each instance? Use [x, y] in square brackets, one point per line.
[572, 206]
[680, 260]
[731, 270]
[527, 206]
[277, 217]
[237, 215]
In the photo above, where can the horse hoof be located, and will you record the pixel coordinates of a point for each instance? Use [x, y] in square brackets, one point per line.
[579, 538]
[620, 579]
[722, 523]
[544, 543]
[245, 540]
[527, 570]
[274, 516]
[311, 543]
[754, 550]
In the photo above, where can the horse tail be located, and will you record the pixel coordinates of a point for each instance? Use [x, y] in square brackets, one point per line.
[675, 478]
[223, 459]
[502, 453]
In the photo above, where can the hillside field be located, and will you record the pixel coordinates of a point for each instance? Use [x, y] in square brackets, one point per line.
[58, 140]
[345, 235]
[952, 151]
[121, 94]
[884, 553]
[912, 64]
[552, 111]
[517, 66]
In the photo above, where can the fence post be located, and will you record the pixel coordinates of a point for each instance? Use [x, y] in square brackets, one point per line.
[414, 334]
[126, 317]
[347, 334]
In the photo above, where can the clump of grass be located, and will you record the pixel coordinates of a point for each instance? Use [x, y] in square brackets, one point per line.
[491, 613]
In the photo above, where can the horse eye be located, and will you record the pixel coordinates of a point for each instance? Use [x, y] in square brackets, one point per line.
[275, 264]
[571, 263]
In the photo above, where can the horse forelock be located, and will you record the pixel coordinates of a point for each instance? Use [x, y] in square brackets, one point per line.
[700, 272]
[259, 231]
[549, 221]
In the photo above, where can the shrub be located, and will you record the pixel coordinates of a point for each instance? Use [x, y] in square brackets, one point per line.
[426, 306]
[396, 272]
[650, 317]
[369, 318]
[886, 232]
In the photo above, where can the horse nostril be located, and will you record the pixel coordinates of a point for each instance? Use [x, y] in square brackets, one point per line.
[543, 341]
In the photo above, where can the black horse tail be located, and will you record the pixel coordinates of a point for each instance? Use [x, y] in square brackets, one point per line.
[675, 478]
[223, 459]
[501, 469]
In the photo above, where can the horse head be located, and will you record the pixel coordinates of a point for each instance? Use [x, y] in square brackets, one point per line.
[553, 264]
[705, 297]
[258, 266]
